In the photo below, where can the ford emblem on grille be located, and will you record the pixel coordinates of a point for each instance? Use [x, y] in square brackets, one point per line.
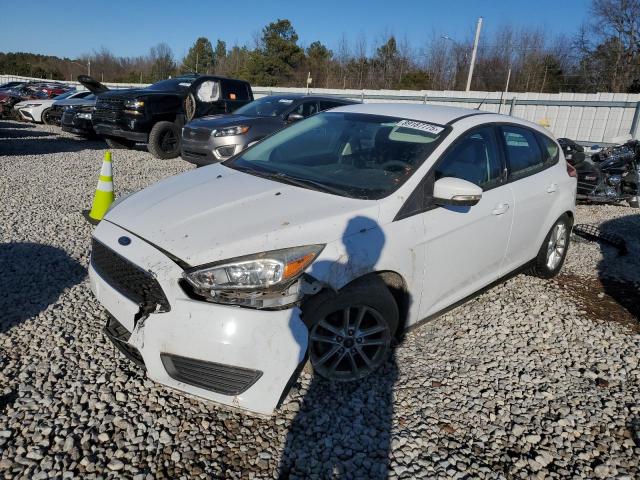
[124, 241]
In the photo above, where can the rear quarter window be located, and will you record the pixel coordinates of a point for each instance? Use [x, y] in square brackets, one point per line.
[550, 150]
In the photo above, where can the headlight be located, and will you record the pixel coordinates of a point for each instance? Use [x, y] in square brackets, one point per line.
[134, 104]
[227, 132]
[85, 115]
[33, 104]
[263, 280]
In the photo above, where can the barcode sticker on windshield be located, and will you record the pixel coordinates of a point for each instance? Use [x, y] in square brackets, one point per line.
[184, 84]
[425, 127]
[285, 100]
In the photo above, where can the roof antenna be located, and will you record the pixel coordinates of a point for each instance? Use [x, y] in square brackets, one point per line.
[482, 102]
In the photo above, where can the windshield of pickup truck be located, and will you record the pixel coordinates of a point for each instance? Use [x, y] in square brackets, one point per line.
[266, 107]
[350, 154]
[172, 84]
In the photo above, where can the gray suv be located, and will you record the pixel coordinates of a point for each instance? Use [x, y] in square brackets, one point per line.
[215, 138]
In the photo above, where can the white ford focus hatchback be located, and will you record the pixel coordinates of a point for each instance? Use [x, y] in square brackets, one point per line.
[326, 241]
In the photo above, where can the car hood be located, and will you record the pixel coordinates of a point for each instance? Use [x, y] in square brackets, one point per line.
[92, 84]
[74, 101]
[216, 213]
[229, 120]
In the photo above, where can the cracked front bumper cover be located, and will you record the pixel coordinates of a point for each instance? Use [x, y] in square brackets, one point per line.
[235, 356]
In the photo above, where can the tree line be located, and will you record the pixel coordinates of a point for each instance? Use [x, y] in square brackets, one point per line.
[603, 56]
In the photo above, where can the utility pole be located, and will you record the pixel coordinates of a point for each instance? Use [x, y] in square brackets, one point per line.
[89, 67]
[473, 53]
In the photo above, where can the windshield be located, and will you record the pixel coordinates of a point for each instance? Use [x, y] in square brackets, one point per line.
[172, 84]
[266, 107]
[349, 154]
[65, 95]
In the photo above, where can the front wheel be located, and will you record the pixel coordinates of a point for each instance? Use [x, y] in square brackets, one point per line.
[350, 333]
[553, 251]
[46, 117]
[634, 202]
[164, 140]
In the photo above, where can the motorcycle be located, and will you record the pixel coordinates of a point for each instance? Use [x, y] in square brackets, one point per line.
[610, 175]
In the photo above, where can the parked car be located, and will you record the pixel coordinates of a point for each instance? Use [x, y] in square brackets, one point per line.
[215, 138]
[328, 239]
[8, 85]
[39, 110]
[154, 115]
[607, 175]
[10, 97]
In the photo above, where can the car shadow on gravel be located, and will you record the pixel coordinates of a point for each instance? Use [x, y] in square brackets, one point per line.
[12, 125]
[33, 278]
[50, 144]
[620, 274]
[343, 429]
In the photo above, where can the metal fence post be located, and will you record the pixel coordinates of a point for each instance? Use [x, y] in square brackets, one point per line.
[514, 101]
[635, 124]
[362, 96]
[424, 100]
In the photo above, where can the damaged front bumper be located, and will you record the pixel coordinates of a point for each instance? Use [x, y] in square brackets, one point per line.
[235, 356]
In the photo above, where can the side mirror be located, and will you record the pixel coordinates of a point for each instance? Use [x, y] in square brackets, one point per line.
[294, 117]
[457, 192]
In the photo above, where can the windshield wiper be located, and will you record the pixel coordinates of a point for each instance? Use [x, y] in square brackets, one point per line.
[307, 183]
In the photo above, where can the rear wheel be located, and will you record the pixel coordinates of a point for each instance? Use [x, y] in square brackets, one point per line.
[119, 144]
[350, 333]
[164, 140]
[553, 251]
[46, 117]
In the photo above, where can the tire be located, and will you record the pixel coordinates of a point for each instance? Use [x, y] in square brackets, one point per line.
[634, 202]
[339, 347]
[553, 251]
[164, 140]
[44, 116]
[119, 144]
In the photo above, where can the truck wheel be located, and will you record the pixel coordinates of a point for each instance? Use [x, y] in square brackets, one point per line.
[553, 251]
[634, 202]
[120, 144]
[350, 333]
[164, 140]
[44, 116]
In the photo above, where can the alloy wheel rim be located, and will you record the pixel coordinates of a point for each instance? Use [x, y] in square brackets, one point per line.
[556, 246]
[349, 344]
[169, 141]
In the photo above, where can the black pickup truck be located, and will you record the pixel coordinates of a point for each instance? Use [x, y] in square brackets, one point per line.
[155, 115]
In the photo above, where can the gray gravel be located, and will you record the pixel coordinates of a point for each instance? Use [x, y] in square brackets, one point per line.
[531, 379]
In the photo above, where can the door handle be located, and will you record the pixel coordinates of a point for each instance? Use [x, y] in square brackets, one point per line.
[500, 208]
[552, 188]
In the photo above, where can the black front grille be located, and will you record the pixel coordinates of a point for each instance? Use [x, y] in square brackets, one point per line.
[119, 336]
[109, 109]
[216, 377]
[133, 282]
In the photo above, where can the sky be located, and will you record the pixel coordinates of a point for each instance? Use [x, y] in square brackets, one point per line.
[129, 28]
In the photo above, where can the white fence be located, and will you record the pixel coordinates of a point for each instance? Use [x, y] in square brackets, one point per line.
[589, 118]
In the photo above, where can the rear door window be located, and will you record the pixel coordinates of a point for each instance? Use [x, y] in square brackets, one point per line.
[235, 91]
[524, 156]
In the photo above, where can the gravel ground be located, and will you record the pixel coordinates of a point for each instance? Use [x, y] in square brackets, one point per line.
[530, 379]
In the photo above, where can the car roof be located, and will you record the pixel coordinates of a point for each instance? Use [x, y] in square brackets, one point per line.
[415, 111]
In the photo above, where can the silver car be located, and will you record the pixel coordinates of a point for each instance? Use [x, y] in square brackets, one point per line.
[215, 138]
